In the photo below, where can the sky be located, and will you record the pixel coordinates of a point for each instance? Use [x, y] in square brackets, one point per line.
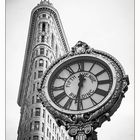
[106, 25]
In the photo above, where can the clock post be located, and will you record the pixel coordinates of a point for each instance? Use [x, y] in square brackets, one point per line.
[83, 89]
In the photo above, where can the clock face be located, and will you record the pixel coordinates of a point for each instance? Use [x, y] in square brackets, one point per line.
[80, 85]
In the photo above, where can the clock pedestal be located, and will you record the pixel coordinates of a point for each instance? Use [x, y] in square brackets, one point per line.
[82, 136]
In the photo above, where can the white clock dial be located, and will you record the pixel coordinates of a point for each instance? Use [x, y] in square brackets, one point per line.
[80, 85]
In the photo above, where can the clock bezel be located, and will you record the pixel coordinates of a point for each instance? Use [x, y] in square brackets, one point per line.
[62, 63]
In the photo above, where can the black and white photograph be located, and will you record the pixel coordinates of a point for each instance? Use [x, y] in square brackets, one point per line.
[70, 69]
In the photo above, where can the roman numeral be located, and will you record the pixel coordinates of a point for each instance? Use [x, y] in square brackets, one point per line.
[64, 79]
[101, 92]
[58, 88]
[94, 103]
[70, 70]
[59, 97]
[68, 103]
[81, 66]
[92, 66]
[104, 82]
[79, 105]
[101, 72]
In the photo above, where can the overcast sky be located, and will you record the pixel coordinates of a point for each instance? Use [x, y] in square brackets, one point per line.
[106, 25]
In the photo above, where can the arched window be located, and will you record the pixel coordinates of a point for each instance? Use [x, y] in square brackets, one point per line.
[41, 63]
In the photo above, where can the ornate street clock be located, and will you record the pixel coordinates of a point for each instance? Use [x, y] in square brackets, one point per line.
[83, 88]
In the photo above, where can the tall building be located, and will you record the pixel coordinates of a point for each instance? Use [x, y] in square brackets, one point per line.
[46, 42]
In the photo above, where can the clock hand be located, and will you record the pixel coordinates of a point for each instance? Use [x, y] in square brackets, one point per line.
[80, 85]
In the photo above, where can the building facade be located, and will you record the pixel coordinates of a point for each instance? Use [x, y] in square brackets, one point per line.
[46, 42]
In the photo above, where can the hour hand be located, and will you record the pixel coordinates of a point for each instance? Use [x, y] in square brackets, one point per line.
[80, 85]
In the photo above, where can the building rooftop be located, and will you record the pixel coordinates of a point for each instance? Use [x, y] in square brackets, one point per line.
[45, 2]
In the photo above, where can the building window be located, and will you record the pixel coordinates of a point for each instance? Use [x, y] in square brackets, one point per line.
[48, 118]
[37, 112]
[47, 132]
[53, 126]
[46, 64]
[42, 127]
[55, 129]
[33, 54]
[56, 51]
[40, 73]
[37, 99]
[41, 50]
[43, 113]
[42, 138]
[34, 75]
[36, 52]
[43, 15]
[57, 137]
[52, 41]
[43, 26]
[52, 137]
[31, 112]
[35, 137]
[50, 122]
[48, 27]
[37, 85]
[46, 52]
[33, 87]
[36, 125]
[41, 63]
[32, 99]
[42, 38]
[31, 126]
[36, 64]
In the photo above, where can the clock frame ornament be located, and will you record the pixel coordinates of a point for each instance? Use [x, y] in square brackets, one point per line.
[81, 123]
